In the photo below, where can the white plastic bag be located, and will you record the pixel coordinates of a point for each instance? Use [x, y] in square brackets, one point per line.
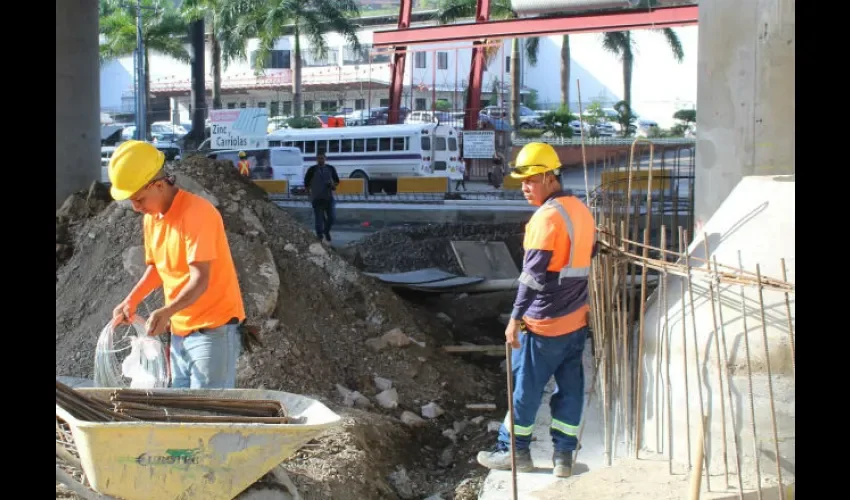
[142, 365]
[145, 366]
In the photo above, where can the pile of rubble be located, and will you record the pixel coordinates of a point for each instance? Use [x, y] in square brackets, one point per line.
[423, 246]
[327, 332]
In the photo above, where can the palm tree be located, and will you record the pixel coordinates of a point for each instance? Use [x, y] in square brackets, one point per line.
[227, 43]
[565, 71]
[163, 31]
[269, 20]
[622, 45]
[453, 10]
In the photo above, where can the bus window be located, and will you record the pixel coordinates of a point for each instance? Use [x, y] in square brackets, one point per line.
[333, 146]
[384, 143]
[289, 143]
[345, 146]
[440, 144]
[309, 146]
[426, 144]
[359, 145]
[321, 145]
[452, 144]
[399, 144]
[371, 144]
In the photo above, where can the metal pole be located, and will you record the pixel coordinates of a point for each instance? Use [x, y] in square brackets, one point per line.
[509, 369]
[141, 98]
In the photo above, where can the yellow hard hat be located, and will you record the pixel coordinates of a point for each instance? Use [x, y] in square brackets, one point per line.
[242, 154]
[535, 158]
[132, 166]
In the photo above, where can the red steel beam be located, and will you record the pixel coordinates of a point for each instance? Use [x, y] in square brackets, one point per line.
[399, 57]
[476, 74]
[667, 17]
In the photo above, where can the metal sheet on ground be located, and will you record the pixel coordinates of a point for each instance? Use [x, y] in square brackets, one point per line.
[489, 259]
[444, 285]
[413, 277]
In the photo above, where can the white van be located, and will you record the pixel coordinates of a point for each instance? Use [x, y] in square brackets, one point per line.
[278, 163]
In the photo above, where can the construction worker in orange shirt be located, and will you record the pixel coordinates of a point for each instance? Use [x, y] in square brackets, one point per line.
[244, 165]
[548, 325]
[187, 254]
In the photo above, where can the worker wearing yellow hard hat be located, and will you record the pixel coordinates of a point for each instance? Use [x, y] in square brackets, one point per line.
[535, 158]
[548, 325]
[187, 254]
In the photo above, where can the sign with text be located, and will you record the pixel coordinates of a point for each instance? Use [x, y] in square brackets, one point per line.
[479, 143]
[244, 128]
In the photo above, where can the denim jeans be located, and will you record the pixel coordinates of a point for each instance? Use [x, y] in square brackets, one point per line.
[206, 360]
[324, 214]
[538, 359]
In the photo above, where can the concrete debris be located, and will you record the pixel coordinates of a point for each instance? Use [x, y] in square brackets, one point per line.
[353, 398]
[444, 318]
[451, 434]
[435, 496]
[318, 249]
[402, 483]
[432, 410]
[271, 324]
[289, 247]
[477, 420]
[459, 426]
[493, 426]
[481, 406]
[411, 419]
[447, 457]
[388, 399]
[383, 384]
[394, 338]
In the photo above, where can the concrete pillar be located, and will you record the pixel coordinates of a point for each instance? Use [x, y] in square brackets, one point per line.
[745, 206]
[77, 97]
[745, 99]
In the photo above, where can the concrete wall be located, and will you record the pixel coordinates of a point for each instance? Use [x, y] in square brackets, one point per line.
[745, 99]
[757, 221]
[77, 97]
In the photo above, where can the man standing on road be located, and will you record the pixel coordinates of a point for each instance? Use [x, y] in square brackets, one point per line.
[187, 254]
[244, 165]
[321, 181]
[548, 325]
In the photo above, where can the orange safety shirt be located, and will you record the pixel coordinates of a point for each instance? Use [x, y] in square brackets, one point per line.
[244, 167]
[192, 231]
[559, 243]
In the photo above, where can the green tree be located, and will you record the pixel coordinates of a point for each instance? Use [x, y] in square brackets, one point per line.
[622, 45]
[227, 42]
[272, 19]
[163, 31]
[450, 11]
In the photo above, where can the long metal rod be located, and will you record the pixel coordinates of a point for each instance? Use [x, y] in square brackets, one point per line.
[667, 333]
[756, 450]
[739, 473]
[509, 369]
[790, 319]
[703, 415]
[770, 389]
[685, 357]
[719, 370]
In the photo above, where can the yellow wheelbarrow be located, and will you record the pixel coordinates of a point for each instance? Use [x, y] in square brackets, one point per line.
[165, 460]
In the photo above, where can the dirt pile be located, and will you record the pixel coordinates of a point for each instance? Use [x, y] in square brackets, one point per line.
[418, 247]
[75, 210]
[317, 313]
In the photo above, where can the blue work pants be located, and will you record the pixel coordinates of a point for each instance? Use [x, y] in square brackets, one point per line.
[206, 360]
[539, 358]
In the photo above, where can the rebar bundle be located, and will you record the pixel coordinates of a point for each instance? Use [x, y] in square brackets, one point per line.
[159, 406]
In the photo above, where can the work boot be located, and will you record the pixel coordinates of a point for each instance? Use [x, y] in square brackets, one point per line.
[500, 459]
[328, 236]
[563, 464]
